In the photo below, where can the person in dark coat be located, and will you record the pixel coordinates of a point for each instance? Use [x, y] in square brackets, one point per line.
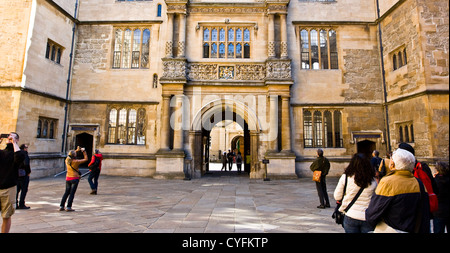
[442, 215]
[10, 159]
[321, 163]
[23, 180]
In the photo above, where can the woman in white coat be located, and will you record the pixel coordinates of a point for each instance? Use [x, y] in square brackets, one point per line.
[359, 175]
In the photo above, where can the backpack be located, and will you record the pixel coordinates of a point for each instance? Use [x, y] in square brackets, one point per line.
[426, 180]
[95, 166]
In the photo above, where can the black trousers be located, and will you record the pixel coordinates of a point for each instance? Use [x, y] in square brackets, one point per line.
[22, 188]
[322, 191]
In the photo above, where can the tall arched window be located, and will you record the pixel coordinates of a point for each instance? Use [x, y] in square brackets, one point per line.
[317, 129]
[394, 61]
[112, 126]
[328, 126]
[221, 50]
[126, 49]
[136, 49]
[338, 129]
[246, 50]
[307, 129]
[304, 43]
[145, 61]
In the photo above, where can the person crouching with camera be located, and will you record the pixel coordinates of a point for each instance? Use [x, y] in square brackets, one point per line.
[72, 177]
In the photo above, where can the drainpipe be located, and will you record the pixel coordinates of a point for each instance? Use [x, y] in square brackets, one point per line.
[383, 74]
[66, 111]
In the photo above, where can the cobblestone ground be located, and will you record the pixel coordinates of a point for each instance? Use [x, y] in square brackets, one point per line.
[222, 202]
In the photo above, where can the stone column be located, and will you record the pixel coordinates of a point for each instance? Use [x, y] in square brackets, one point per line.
[271, 36]
[273, 123]
[254, 164]
[178, 123]
[165, 123]
[182, 36]
[169, 42]
[286, 123]
[284, 51]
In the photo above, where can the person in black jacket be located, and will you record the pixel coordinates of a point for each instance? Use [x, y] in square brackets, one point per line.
[442, 215]
[321, 163]
[24, 179]
[10, 159]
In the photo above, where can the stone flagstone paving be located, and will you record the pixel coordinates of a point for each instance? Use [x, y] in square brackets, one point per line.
[223, 202]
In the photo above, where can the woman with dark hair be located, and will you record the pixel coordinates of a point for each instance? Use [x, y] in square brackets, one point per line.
[358, 174]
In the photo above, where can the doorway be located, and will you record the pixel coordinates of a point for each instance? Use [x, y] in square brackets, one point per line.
[86, 141]
[366, 147]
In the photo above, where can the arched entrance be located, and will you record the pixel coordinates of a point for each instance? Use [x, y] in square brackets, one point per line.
[212, 114]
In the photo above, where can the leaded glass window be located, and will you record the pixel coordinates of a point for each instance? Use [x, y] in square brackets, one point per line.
[131, 48]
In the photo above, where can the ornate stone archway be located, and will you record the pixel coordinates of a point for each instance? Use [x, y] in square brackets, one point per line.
[211, 114]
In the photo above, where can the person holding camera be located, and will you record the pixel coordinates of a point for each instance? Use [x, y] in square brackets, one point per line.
[10, 159]
[72, 177]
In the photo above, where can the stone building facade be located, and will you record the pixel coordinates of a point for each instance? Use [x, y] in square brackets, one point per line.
[148, 81]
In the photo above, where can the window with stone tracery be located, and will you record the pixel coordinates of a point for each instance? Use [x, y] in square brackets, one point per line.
[131, 48]
[126, 126]
[226, 42]
[318, 48]
[322, 128]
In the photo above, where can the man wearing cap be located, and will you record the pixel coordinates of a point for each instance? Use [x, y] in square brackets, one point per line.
[400, 203]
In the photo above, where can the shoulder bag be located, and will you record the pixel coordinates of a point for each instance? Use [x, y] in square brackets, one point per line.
[337, 215]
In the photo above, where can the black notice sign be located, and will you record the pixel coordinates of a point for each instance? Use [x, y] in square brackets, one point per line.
[265, 161]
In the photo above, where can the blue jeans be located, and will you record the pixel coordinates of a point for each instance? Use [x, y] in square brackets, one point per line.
[356, 226]
[71, 188]
[93, 179]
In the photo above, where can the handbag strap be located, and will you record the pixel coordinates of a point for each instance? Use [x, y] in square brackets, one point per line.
[354, 199]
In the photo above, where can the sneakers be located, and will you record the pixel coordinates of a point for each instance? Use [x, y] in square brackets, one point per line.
[93, 192]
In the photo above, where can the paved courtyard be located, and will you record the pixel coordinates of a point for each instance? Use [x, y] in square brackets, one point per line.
[221, 202]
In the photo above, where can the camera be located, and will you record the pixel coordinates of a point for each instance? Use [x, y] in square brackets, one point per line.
[4, 136]
[82, 149]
